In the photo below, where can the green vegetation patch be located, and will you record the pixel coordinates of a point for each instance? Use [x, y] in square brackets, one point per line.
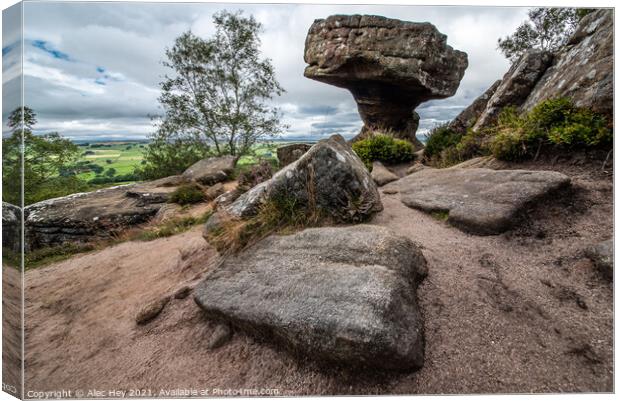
[440, 138]
[44, 256]
[441, 215]
[187, 194]
[282, 214]
[554, 123]
[173, 227]
[384, 148]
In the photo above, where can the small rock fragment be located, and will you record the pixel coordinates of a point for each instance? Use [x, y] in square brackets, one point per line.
[221, 335]
[151, 310]
[182, 292]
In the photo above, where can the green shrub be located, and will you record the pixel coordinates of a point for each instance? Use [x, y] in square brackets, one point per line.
[383, 148]
[582, 128]
[440, 138]
[554, 121]
[187, 194]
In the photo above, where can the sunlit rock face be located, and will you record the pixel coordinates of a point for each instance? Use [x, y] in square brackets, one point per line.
[389, 66]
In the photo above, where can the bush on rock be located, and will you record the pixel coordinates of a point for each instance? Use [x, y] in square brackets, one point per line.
[383, 148]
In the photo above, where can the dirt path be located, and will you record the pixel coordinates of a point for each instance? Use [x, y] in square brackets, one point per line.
[520, 312]
[11, 330]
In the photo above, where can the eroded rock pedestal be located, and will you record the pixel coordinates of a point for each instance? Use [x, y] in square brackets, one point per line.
[389, 66]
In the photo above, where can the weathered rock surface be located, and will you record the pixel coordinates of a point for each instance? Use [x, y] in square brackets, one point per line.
[468, 117]
[415, 168]
[151, 310]
[88, 216]
[516, 85]
[214, 191]
[289, 153]
[11, 227]
[221, 334]
[340, 294]
[226, 198]
[582, 70]
[381, 175]
[389, 66]
[602, 254]
[329, 178]
[211, 170]
[479, 200]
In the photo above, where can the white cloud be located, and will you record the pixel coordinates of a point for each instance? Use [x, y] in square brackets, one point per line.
[128, 41]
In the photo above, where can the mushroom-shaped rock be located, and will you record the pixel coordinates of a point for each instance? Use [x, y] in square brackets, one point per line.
[389, 66]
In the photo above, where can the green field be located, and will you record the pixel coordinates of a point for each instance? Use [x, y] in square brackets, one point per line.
[123, 157]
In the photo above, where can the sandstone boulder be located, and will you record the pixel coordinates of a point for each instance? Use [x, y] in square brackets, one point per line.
[389, 66]
[88, 216]
[381, 175]
[344, 295]
[289, 153]
[516, 85]
[211, 170]
[329, 178]
[602, 254]
[11, 227]
[478, 200]
[468, 117]
[582, 70]
[214, 191]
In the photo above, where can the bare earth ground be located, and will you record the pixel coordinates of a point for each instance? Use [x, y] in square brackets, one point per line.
[11, 329]
[520, 312]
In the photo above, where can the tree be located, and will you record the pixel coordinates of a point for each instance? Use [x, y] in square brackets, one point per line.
[111, 172]
[19, 116]
[44, 158]
[547, 29]
[168, 155]
[219, 97]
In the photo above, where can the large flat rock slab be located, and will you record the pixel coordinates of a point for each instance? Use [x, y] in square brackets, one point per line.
[478, 200]
[89, 216]
[338, 294]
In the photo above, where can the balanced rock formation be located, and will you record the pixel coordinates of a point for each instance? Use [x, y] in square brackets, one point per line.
[582, 70]
[88, 216]
[211, 170]
[338, 294]
[389, 66]
[289, 153]
[11, 227]
[329, 177]
[478, 200]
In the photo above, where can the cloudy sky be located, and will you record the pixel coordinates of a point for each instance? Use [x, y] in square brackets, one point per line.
[91, 70]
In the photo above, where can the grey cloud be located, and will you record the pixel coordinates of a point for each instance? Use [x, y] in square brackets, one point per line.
[128, 40]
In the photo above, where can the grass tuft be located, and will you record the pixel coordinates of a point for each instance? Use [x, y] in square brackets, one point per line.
[173, 227]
